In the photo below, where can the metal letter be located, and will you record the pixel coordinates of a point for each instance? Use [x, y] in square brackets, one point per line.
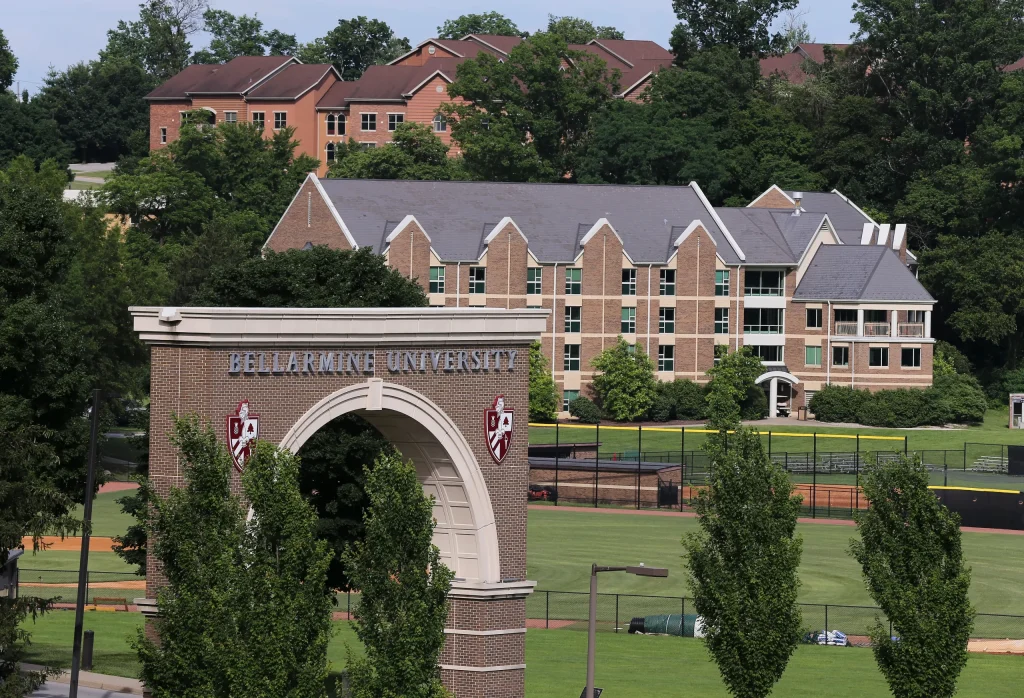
[250, 362]
[327, 362]
[368, 361]
[449, 359]
[277, 366]
[263, 362]
[476, 360]
[463, 363]
[511, 359]
[307, 363]
[293, 363]
[235, 365]
[435, 357]
[353, 362]
[394, 361]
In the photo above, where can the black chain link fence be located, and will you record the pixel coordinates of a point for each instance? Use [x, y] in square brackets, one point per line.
[104, 588]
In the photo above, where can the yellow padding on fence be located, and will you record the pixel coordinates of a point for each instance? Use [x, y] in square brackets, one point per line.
[713, 431]
[973, 489]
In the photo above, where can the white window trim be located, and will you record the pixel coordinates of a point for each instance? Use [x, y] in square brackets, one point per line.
[361, 120]
[285, 114]
[227, 120]
[163, 135]
[395, 113]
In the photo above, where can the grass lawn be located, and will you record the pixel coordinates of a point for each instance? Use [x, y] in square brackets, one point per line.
[107, 518]
[76, 185]
[562, 544]
[618, 439]
[627, 665]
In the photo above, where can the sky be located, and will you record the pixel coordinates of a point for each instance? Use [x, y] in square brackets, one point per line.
[59, 33]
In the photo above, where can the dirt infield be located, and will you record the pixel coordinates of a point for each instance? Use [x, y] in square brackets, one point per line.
[128, 584]
[97, 544]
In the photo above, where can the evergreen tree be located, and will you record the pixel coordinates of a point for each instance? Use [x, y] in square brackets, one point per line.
[911, 556]
[404, 588]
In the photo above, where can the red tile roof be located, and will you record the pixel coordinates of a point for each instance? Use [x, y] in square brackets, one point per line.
[387, 82]
[237, 76]
[790, 65]
[503, 43]
[177, 86]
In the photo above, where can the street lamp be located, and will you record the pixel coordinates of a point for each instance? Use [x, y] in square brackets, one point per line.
[638, 570]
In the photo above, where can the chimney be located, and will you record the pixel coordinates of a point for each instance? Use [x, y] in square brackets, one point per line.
[883, 233]
[866, 233]
[798, 196]
[899, 241]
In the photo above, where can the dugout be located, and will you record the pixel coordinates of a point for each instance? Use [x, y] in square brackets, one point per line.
[984, 508]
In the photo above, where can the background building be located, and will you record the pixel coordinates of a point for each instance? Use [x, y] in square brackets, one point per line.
[810, 282]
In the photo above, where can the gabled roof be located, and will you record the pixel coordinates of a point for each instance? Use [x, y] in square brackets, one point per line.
[634, 51]
[790, 65]
[294, 81]
[458, 216]
[236, 77]
[504, 44]
[388, 82]
[847, 220]
[859, 273]
[758, 234]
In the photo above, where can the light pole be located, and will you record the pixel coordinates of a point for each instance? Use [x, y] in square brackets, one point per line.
[638, 570]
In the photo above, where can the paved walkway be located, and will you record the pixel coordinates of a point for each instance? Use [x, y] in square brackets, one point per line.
[90, 685]
[92, 166]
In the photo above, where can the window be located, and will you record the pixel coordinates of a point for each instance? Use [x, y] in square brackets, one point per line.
[567, 397]
[571, 358]
[767, 352]
[369, 122]
[280, 120]
[533, 275]
[437, 279]
[368, 145]
[259, 118]
[840, 356]
[628, 325]
[722, 282]
[814, 318]
[332, 121]
[163, 135]
[666, 357]
[878, 357]
[629, 282]
[440, 126]
[667, 286]
[231, 117]
[721, 350]
[762, 320]
[477, 282]
[330, 152]
[812, 356]
[764, 283]
[572, 318]
[573, 282]
[721, 321]
[911, 358]
[915, 316]
[666, 320]
[846, 316]
[394, 120]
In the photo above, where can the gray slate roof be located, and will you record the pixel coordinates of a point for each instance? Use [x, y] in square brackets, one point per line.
[457, 216]
[846, 219]
[859, 273]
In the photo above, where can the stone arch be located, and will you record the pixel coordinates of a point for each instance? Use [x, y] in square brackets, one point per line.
[424, 433]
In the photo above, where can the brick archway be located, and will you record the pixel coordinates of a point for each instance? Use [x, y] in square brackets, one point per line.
[423, 433]
[426, 378]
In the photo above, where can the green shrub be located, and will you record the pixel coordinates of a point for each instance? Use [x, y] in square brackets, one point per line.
[584, 409]
[755, 404]
[661, 409]
[837, 403]
[687, 398]
[896, 408]
[959, 400]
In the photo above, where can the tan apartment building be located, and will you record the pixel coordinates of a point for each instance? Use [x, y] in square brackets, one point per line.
[818, 290]
[278, 91]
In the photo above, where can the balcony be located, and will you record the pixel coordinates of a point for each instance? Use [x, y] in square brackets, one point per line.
[846, 329]
[876, 329]
[911, 329]
[880, 329]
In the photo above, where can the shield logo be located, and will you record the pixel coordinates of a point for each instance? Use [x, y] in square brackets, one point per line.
[243, 429]
[498, 429]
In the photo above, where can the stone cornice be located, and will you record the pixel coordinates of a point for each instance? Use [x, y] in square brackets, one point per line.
[482, 591]
[263, 327]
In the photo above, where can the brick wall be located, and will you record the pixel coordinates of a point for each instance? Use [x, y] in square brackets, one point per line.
[165, 115]
[409, 253]
[308, 219]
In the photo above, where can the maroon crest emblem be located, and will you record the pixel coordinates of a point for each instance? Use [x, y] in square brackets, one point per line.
[498, 429]
[243, 429]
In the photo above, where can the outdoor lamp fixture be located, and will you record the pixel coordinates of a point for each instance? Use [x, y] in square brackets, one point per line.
[638, 570]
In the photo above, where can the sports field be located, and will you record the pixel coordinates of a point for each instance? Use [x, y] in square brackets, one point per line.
[627, 665]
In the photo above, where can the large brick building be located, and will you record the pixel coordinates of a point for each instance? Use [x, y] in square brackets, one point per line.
[818, 290]
[278, 91]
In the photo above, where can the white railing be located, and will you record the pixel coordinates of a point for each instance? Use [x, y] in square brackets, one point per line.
[846, 329]
[911, 329]
[876, 329]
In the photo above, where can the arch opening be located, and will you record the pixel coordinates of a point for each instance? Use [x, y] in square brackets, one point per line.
[465, 530]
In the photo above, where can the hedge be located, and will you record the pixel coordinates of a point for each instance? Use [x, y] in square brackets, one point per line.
[584, 409]
[955, 399]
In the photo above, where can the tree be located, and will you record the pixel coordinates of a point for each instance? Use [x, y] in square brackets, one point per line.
[576, 30]
[354, 45]
[911, 557]
[732, 379]
[795, 31]
[742, 24]
[8, 64]
[30, 131]
[625, 386]
[525, 119]
[241, 36]
[158, 40]
[415, 153]
[403, 606]
[743, 563]
[544, 403]
[493, 23]
[246, 610]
